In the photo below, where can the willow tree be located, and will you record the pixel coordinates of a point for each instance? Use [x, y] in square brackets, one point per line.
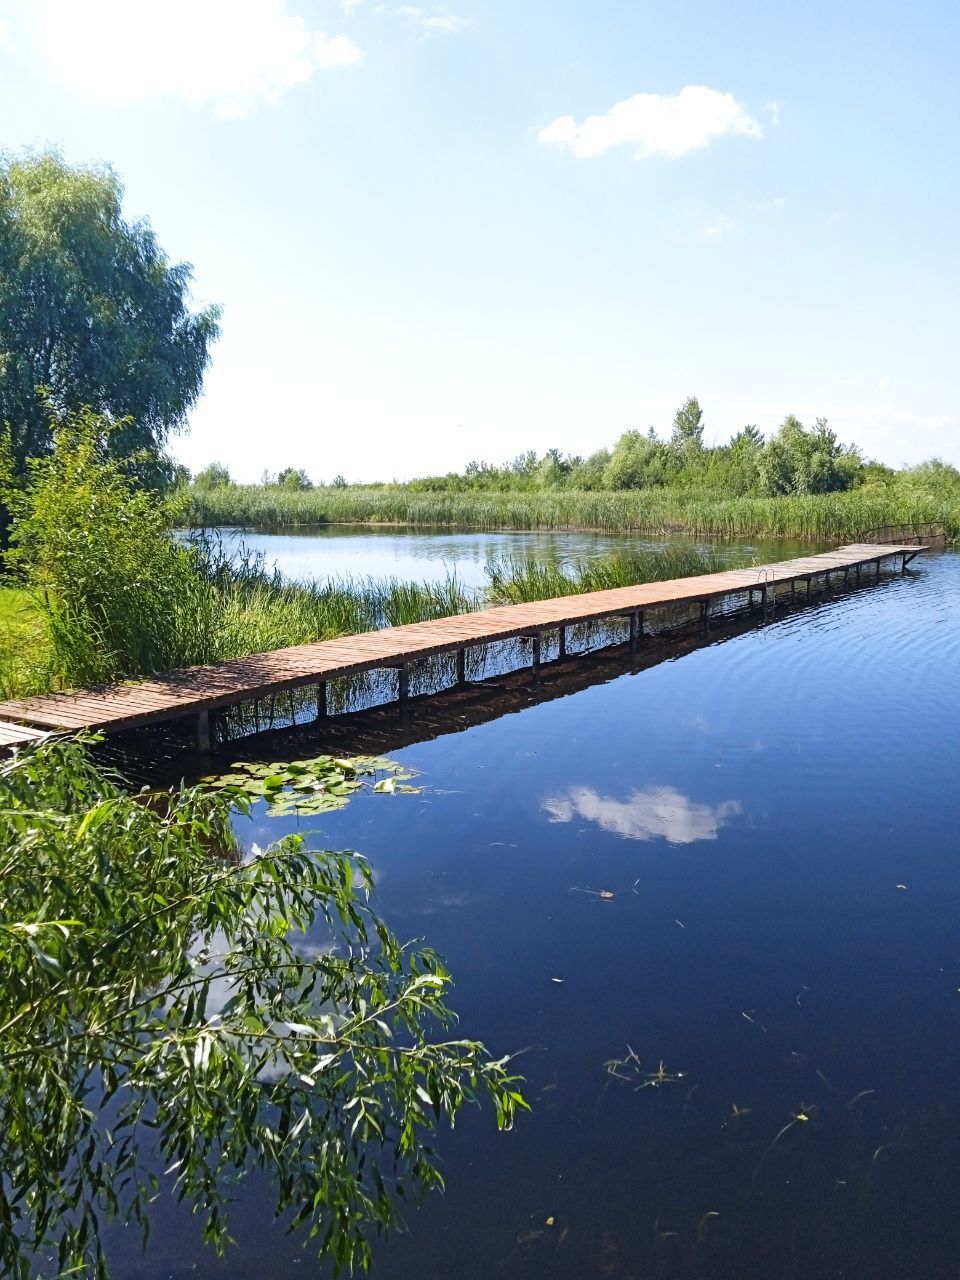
[92, 312]
[170, 1004]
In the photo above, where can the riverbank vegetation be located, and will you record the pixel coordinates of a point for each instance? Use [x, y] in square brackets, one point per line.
[910, 499]
[799, 483]
[515, 579]
[110, 593]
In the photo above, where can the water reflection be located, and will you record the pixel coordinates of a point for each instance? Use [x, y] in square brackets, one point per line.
[653, 813]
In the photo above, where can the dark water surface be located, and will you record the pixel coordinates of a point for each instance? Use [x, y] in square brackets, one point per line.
[777, 817]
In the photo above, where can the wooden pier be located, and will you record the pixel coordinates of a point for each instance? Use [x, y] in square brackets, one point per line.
[198, 691]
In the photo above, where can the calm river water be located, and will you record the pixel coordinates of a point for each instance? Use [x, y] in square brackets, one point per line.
[777, 817]
[330, 551]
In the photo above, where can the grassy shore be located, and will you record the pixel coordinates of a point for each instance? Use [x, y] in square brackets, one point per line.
[652, 511]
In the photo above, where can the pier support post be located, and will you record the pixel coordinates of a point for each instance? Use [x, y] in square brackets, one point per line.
[858, 572]
[878, 569]
[634, 629]
[562, 650]
[461, 666]
[809, 584]
[535, 655]
[203, 732]
[704, 614]
[403, 689]
[321, 701]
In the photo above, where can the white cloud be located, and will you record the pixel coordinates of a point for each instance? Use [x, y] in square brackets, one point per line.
[335, 51]
[445, 22]
[656, 125]
[883, 384]
[717, 227]
[224, 54]
[348, 6]
[655, 813]
[772, 109]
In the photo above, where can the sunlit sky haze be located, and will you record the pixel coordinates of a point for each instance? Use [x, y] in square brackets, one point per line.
[448, 231]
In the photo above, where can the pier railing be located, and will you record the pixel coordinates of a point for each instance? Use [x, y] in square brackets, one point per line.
[930, 534]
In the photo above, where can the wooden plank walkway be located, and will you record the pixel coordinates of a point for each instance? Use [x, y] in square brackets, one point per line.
[17, 735]
[196, 691]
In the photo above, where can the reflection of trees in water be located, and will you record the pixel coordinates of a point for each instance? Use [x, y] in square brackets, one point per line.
[152, 971]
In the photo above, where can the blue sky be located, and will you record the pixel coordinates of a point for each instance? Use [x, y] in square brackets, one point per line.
[458, 230]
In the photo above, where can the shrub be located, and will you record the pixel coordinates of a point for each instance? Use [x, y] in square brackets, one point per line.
[120, 595]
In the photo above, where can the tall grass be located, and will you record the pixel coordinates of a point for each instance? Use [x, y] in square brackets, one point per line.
[272, 614]
[515, 580]
[820, 517]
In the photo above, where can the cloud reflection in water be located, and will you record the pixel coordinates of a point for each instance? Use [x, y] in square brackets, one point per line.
[656, 812]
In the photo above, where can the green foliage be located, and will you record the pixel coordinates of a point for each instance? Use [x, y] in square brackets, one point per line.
[120, 596]
[163, 1007]
[934, 474]
[687, 436]
[640, 462]
[213, 476]
[315, 786]
[21, 637]
[516, 580]
[801, 460]
[294, 478]
[744, 455]
[91, 311]
[704, 513]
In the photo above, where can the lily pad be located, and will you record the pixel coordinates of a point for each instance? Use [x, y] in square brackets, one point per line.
[315, 786]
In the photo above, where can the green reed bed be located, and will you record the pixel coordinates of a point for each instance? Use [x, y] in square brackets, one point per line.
[515, 580]
[815, 517]
[272, 614]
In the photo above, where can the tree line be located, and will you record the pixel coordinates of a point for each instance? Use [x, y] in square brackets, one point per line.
[795, 459]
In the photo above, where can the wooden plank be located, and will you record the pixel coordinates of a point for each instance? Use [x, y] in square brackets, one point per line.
[201, 689]
[17, 735]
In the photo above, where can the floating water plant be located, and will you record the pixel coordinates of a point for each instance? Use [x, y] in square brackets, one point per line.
[630, 1070]
[315, 786]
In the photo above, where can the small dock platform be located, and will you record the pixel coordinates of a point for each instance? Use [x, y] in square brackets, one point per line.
[199, 691]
